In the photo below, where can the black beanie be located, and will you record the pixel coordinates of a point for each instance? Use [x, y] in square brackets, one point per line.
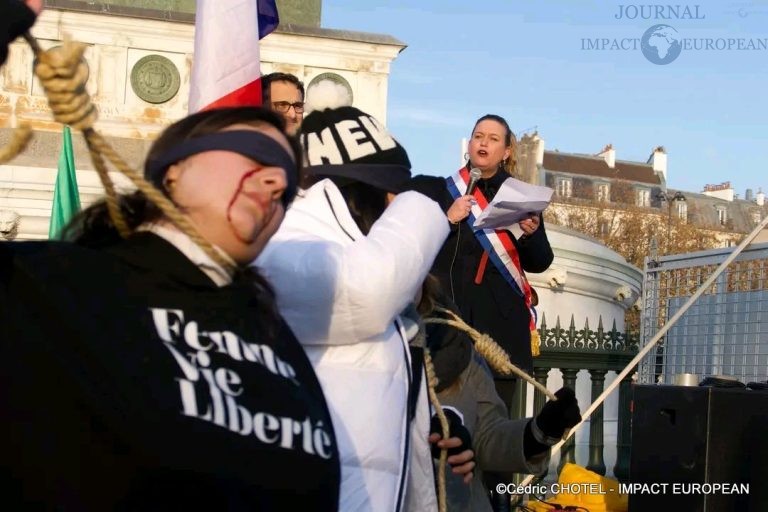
[347, 143]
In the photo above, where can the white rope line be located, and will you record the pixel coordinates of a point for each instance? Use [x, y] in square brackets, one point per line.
[667, 326]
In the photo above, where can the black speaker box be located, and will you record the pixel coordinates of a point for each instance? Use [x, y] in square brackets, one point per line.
[686, 437]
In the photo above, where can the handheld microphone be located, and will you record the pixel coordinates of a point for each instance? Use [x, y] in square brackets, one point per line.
[474, 176]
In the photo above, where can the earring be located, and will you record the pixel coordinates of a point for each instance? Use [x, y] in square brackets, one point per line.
[466, 156]
[169, 185]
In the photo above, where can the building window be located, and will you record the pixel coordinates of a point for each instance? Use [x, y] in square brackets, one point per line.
[604, 192]
[564, 187]
[643, 197]
[722, 215]
[682, 211]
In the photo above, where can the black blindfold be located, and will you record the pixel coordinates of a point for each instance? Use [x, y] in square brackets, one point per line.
[249, 143]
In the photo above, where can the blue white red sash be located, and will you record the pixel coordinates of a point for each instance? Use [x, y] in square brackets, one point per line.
[497, 243]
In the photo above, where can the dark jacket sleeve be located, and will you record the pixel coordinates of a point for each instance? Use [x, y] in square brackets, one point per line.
[15, 19]
[498, 440]
[535, 252]
[434, 188]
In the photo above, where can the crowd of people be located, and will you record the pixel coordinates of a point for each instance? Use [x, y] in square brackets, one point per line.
[275, 349]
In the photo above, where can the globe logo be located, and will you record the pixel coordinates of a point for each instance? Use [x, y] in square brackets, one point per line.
[661, 44]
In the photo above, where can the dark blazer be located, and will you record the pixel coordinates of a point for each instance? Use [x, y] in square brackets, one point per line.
[493, 306]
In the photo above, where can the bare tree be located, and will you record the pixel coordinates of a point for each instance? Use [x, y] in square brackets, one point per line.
[628, 229]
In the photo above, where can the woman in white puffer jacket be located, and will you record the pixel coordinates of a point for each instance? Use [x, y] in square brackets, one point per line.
[344, 263]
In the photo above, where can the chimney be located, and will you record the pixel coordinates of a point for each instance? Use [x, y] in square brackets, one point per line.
[539, 149]
[609, 154]
[658, 160]
[760, 197]
[529, 159]
[721, 191]
[748, 196]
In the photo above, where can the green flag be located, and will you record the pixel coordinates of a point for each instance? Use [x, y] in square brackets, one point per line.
[66, 198]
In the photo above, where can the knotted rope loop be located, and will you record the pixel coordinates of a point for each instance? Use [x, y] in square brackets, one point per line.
[63, 74]
[490, 350]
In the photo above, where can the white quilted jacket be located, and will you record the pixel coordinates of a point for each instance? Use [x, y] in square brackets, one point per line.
[341, 292]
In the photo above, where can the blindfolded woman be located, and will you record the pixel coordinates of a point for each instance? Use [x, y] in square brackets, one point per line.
[153, 372]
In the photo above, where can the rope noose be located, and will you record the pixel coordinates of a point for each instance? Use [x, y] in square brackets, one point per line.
[497, 358]
[19, 140]
[420, 340]
[23, 133]
[485, 345]
[63, 75]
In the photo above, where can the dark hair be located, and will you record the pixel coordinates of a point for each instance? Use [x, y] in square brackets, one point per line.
[509, 140]
[430, 294]
[501, 121]
[266, 82]
[366, 203]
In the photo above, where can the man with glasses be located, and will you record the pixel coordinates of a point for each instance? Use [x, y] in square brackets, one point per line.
[284, 93]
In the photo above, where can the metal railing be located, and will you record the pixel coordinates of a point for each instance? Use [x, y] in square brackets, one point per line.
[598, 351]
[725, 333]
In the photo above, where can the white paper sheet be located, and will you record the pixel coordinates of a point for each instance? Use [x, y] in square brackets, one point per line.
[515, 201]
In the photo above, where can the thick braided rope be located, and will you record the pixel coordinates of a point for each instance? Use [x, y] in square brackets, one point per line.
[153, 194]
[420, 340]
[489, 349]
[63, 74]
[23, 133]
[432, 381]
[19, 140]
[113, 202]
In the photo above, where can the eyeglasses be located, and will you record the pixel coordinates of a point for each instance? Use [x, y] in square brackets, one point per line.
[285, 106]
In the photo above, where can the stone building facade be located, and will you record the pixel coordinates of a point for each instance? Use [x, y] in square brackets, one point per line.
[609, 185]
[140, 56]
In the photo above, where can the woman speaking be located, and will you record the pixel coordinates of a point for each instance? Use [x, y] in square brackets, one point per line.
[484, 270]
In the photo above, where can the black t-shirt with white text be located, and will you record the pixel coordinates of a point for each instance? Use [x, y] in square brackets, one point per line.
[130, 381]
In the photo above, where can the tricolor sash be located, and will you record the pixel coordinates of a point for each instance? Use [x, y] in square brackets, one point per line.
[499, 248]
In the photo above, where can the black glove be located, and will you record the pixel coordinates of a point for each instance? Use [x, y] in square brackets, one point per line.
[558, 415]
[455, 429]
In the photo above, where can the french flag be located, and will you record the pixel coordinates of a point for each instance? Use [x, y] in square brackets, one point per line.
[226, 66]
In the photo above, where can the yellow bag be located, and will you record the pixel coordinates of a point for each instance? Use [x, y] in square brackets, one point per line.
[586, 489]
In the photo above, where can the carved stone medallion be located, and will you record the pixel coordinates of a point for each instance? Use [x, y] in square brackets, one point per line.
[155, 79]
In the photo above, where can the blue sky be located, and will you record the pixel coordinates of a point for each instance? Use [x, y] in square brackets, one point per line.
[524, 60]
